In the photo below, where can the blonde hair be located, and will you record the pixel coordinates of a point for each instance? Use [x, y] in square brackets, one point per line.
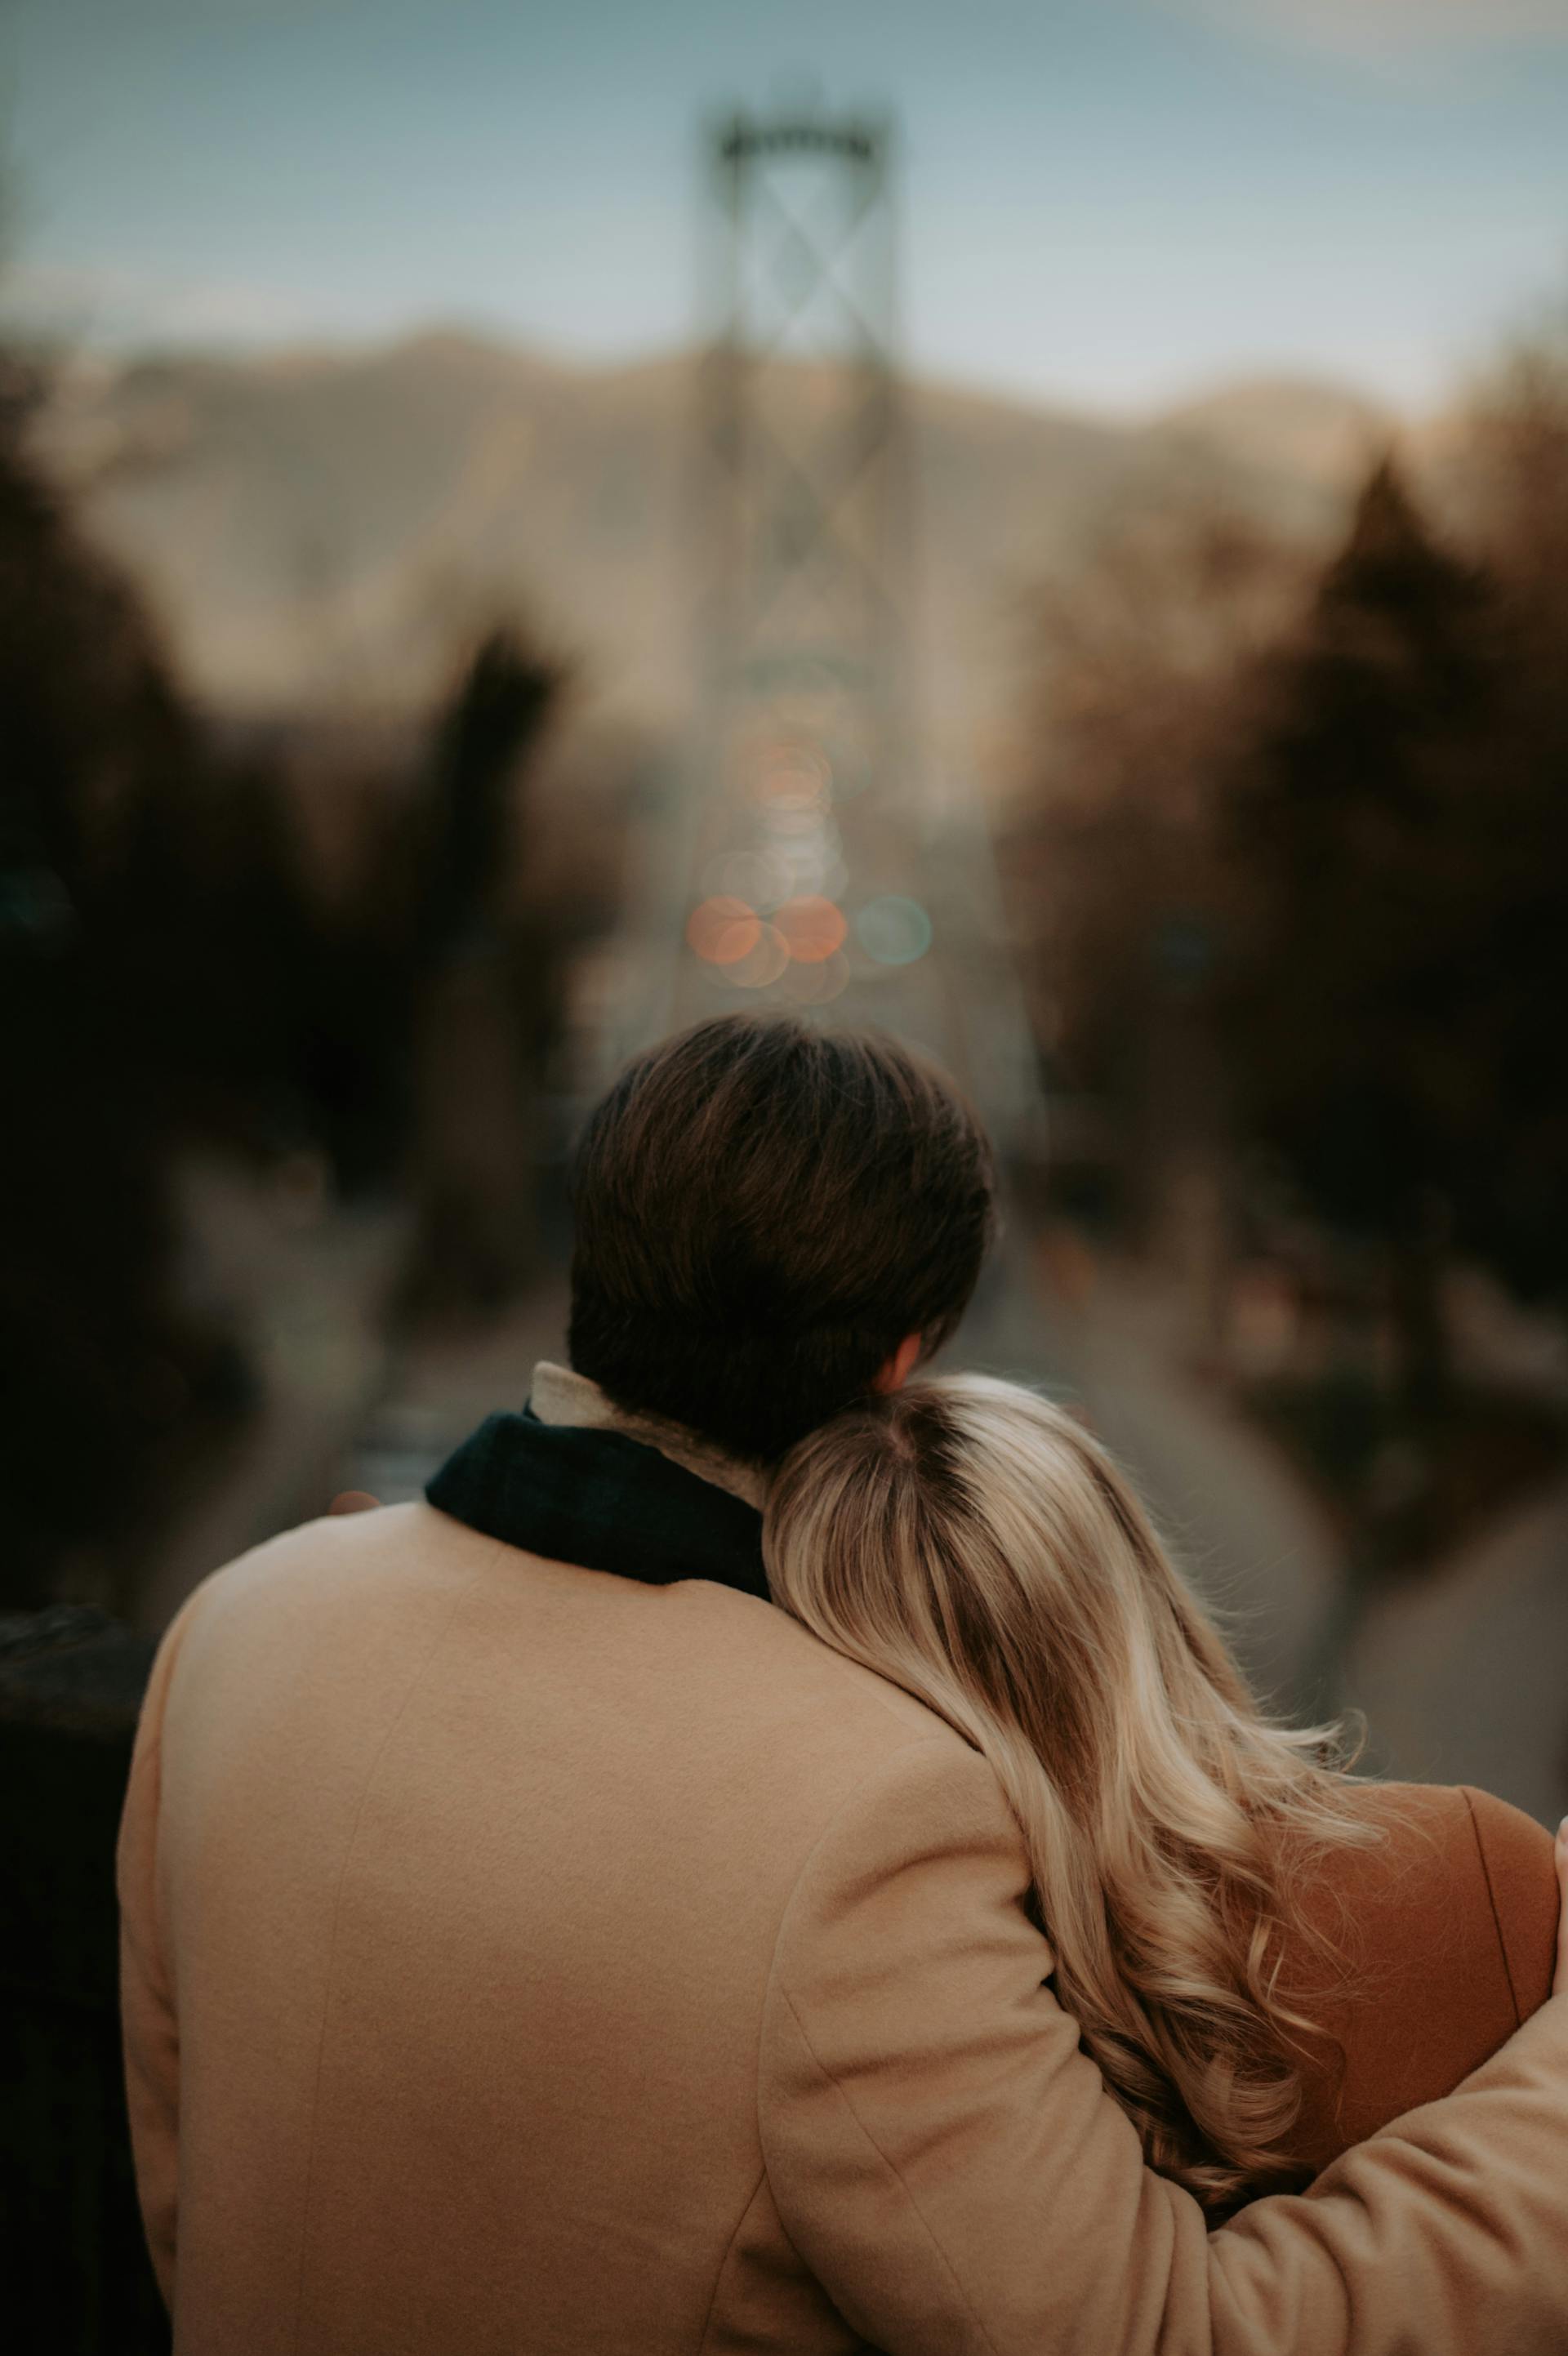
[973, 1543]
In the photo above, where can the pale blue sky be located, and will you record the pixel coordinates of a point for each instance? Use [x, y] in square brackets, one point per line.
[1112, 201]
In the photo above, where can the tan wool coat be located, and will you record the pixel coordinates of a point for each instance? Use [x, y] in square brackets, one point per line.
[521, 1958]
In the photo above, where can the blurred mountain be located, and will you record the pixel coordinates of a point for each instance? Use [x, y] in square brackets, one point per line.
[1299, 426]
[322, 526]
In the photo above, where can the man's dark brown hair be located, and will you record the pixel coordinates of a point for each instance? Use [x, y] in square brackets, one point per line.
[764, 1212]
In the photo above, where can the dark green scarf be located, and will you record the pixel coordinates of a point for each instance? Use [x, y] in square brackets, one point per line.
[601, 1500]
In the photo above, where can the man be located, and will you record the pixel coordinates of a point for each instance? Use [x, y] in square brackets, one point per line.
[534, 1940]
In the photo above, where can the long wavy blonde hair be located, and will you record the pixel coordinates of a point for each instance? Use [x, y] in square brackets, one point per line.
[974, 1543]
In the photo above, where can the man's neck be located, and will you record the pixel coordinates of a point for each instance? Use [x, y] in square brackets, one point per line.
[561, 1396]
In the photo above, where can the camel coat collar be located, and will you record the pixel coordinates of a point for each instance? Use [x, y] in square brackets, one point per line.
[577, 1480]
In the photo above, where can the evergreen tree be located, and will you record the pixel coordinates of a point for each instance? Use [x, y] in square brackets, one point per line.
[1370, 836]
[167, 974]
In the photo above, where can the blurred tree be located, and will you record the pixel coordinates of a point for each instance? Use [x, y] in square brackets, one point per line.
[489, 991]
[104, 1383]
[1511, 464]
[1291, 871]
[169, 976]
[1114, 885]
[1381, 1015]
[261, 1015]
[1505, 476]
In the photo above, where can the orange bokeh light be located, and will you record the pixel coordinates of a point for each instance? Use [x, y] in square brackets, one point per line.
[723, 930]
[813, 927]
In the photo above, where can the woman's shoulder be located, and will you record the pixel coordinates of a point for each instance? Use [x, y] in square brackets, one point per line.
[1442, 1935]
[1521, 1879]
[1460, 1866]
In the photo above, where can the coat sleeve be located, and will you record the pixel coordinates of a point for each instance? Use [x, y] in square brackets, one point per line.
[951, 2168]
[148, 2026]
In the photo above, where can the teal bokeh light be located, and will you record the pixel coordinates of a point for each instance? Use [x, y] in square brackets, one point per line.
[893, 930]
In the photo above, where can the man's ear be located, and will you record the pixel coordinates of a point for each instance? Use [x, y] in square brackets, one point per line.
[897, 1371]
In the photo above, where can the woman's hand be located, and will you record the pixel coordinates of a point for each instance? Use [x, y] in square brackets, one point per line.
[1559, 1980]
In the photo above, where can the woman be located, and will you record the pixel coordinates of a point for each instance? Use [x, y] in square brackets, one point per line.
[1267, 1959]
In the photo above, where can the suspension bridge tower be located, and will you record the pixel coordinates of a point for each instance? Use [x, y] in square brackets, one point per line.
[816, 863]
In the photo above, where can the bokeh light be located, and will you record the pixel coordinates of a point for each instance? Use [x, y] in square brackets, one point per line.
[788, 818]
[723, 930]
[813, 927]
[760, 878]
[893, 930]
[763, 963]
[792, 774]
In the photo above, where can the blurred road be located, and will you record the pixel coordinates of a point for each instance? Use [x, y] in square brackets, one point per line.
[1464, 1673]
[1260, 1552]
[304, 1284]
[442, 1386]
[1461, 1671]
